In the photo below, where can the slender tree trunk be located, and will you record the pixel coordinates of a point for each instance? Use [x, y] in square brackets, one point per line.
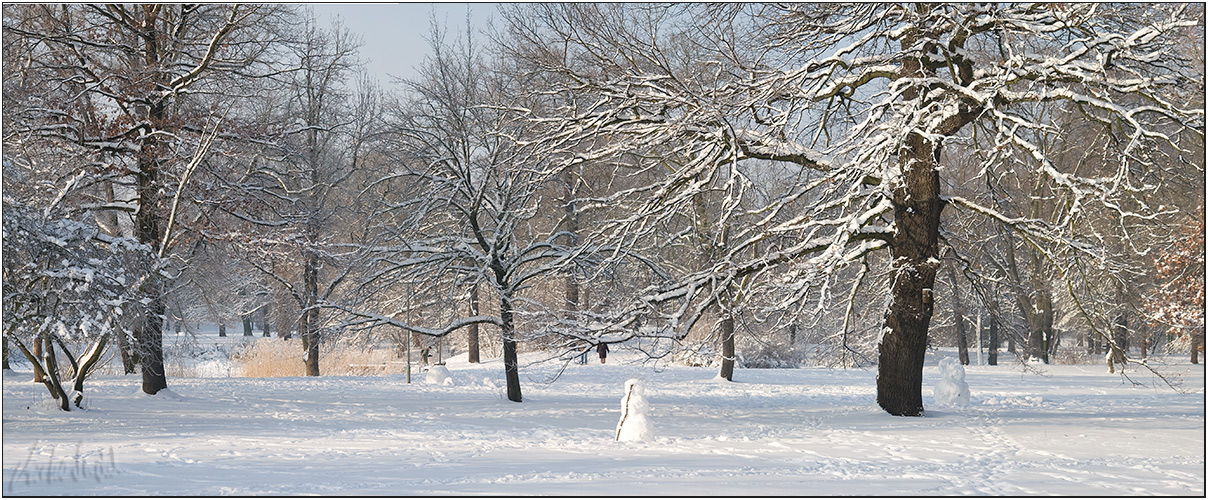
[128, 359]
[726, 331]
[309, 322]
[571, 217]
[1041, 326]
[52, 373]
[958, 315]
[39, 376]
[915, 251]
[472, 331]
[511, 367]
[6, 354]
[1119, 343]
[992, 357]
[265, 312]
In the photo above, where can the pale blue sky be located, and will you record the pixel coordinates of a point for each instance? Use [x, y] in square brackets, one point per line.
[394, 32]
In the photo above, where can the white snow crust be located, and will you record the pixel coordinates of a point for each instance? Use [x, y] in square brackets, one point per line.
[1049, 430]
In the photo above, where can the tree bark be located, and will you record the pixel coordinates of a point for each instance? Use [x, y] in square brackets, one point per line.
[308, 325]
[726, 331]
[150, 334]
[915, 252]
[1197, 341]
[151, 348]
[472, 332]
[1119, 343]
[39, 375]
[222, 329]
[958, 315]
[511, 367]
[1040, 324]
[247, 325]
[992, 353]
[265, 314]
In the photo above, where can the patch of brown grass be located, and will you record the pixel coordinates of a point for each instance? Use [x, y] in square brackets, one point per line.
[274, 357]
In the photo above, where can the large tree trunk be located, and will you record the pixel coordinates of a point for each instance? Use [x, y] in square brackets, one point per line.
[150, 337]
[472, 332]
[1197, 341]
[726, 331]
[222, 329]
[915, 251]
[511, 367]
[247, 325]
[150, 333]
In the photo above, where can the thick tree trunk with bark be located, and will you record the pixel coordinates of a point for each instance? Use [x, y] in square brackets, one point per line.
[915, 250]
[511, 367]
[1197, 342]
[149, 334]
[472, 331]
[726, 332]
[150, 337]
[222, 329]
[247, 325]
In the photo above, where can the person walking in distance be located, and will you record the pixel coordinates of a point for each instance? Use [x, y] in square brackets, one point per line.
[603, 350]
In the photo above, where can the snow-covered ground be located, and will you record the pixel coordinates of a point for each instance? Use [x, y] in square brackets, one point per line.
[1067, 430]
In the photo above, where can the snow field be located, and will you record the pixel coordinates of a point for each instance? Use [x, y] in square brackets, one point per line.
[1069, 430]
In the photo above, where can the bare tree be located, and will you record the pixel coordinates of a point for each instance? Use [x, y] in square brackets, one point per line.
[867, 100]
[128, 89]
[467, 209]
[293, 212]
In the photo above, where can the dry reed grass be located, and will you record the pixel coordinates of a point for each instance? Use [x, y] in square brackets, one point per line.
[274, 357]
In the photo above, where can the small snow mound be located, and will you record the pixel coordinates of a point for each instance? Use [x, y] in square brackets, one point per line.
[438, 375]
[165, 394]
[1015, 401]
[952, 389]
[635, 424]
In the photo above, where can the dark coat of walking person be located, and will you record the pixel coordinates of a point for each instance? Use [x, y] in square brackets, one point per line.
[603, 350]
